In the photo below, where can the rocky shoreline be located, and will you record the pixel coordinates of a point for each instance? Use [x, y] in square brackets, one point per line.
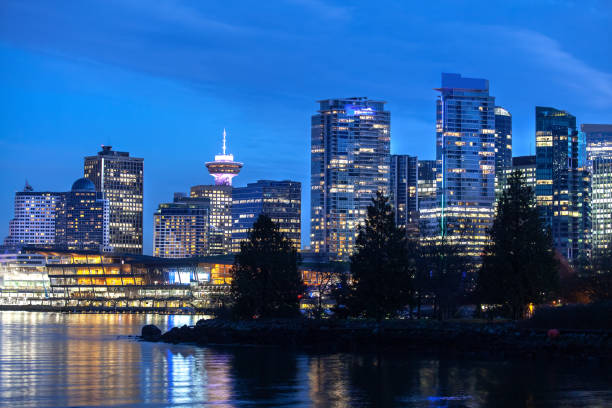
[509, 339]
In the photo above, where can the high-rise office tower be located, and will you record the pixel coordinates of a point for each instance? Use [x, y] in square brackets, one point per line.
[83, 218]
[34, 218]
[562, 180]
[465, 152]
[181, 228]
[527, 166]
[601, 205]
[503, 146]
[220, 234]
[598, 140]
[120, 178]
[279, 200]
[427, 197]
[404, 192]
[350, 155]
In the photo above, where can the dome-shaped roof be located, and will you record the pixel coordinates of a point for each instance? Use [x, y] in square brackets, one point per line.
[83, 184]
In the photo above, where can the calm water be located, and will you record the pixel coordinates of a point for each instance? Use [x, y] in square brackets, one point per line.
[57, 360]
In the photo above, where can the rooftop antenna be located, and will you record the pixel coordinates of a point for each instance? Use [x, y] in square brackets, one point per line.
[223, 141]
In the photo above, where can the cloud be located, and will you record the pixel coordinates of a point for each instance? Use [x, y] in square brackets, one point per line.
[324, 9]
[569, 70]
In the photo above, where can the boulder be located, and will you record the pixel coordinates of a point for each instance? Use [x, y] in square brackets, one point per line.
[150, 332]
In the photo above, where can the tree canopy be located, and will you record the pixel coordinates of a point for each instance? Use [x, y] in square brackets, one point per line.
[518, 264]
[266, 280]
[380, 266]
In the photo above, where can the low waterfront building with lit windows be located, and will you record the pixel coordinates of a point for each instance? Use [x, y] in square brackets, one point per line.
[404, 192]
[465, 152]
[350, 155]
[562, 181]
[120, 177]
[34, 218]
[180, 228]
[503, 146]
[279, 200]
[23, 277]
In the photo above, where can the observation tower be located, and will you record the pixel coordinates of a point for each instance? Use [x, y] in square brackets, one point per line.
[224, 168]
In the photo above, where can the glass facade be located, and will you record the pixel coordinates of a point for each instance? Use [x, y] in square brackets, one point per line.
[465, 153]
[83, 218]
[503, 146]
[527, 166]
[220, 234]
[350, 159]
[181, 228]
[598, 140]
[601, 204]
[404, 192]
[562, 181]
[120, 178]
[279, 200]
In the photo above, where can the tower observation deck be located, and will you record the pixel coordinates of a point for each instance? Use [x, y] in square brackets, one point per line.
[224, 168]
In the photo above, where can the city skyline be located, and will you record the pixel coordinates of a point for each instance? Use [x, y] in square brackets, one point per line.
[68, 101]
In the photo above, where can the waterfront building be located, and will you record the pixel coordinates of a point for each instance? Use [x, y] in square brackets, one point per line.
[404, 192]
[34, 220]
[601, 205]
[279, 200]
[120, 178]
[350, 159]
[465, 154]
[181, 228]
[598, 140]
[23, 276]
[562, 181]
[527, 166]
[503, 146]
[83, 218]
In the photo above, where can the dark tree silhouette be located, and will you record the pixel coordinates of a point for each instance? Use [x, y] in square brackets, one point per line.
[518, 265]
[442, 273]
[380, 266]
[266, 280]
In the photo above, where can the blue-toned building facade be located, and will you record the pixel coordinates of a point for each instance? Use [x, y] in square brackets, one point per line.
[563, 181]
[279, 200]
[350, 155]
[503, 146]
[465, 154]
[404, 191]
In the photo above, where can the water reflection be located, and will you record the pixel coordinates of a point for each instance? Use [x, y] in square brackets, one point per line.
[83, 360]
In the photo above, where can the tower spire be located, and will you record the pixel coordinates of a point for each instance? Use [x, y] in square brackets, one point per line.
[224, 141]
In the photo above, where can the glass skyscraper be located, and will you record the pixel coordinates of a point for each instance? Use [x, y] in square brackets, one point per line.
[527, 166]
[601, 205]
[83, 218]
[220, 196]
[598, 140]
[120, 178]
[503, 146]
[279, 200]
[350, 155]
[562, 181]
[404, 192]
[465, 152]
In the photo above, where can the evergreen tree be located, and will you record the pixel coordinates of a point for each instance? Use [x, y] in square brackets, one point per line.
[518, 265]
[442, 273]
[266, 280]
[380, 266]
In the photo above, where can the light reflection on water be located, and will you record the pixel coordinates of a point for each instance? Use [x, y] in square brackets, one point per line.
[57, 360]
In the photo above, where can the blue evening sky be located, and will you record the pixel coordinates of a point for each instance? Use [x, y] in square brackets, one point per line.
[161, 79]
